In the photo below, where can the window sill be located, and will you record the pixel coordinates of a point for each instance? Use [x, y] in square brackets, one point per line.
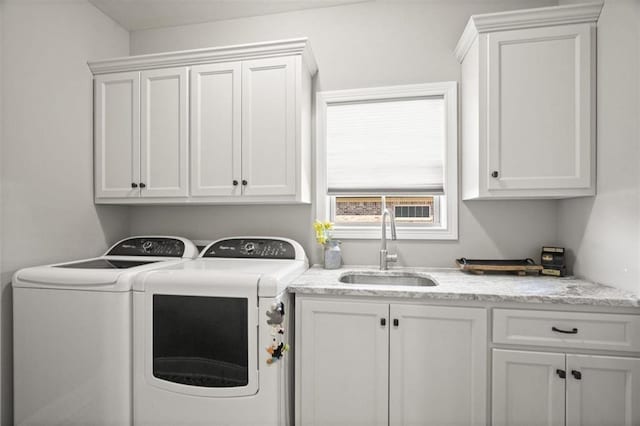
[403, 233]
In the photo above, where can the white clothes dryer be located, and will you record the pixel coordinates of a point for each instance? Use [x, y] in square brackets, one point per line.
[72, 333]
[211, 336]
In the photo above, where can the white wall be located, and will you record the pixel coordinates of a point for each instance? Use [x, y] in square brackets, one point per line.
[5, 302]
[361, 45]
[604, 232]
[47, 210]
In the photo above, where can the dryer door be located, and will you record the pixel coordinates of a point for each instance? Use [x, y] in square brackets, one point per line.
[201, 336]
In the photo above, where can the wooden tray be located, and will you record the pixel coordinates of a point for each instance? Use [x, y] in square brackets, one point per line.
[519, 266]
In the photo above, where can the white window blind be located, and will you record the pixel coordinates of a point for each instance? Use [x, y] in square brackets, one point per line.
[386, 147]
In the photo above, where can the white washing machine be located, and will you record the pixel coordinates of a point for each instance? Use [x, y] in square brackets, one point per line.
[211, 335]
[72, 334]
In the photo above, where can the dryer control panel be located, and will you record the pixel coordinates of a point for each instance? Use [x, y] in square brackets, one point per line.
[148, 246]
[252, 248]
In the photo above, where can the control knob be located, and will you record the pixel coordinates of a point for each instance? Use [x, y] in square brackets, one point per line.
[249, 248]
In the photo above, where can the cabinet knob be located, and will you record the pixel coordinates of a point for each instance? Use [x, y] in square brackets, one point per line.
[495, 174]
[576, 374]
[383, 321]
[561, 373]
[235, 183]
[142, 185]
[396, 322]
[244, 182]
[134, 185]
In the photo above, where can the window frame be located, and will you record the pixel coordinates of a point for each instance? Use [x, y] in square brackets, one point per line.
[447, 211]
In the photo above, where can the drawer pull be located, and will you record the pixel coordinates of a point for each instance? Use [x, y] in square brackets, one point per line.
[558, 330]
[561, 373]
[576, 374]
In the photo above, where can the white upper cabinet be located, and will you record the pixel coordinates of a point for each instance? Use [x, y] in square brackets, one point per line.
[141, 135]
[216, 129]
[117, 135]
[528, 103]
[269, 126]
[219, 125]
[164, 133]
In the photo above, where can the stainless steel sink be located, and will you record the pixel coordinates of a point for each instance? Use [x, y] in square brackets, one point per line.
[387, 278]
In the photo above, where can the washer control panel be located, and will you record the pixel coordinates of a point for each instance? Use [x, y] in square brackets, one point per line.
[148, 246]
[251, 248]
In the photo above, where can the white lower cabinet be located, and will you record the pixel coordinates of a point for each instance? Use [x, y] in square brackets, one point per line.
[603, 390]
[437, 365]
[537, 388]
[344, 356]
[560, 387]
[375, 363]
[527, 389]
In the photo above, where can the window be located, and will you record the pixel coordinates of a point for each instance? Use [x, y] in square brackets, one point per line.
[389, 147]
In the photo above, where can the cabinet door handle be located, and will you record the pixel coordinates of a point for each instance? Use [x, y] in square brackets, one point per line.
[559, 330]
[235, 183]
[561, 373]
[383, 322]
[134, 185]
[142, 185]
[576, 374]
[495, 174]
[244, 182]
[396, 322]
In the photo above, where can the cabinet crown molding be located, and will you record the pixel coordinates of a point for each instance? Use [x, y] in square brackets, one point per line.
[526, 18]
[297, 46]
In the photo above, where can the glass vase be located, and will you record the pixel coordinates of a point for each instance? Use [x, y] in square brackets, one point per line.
[332, 255]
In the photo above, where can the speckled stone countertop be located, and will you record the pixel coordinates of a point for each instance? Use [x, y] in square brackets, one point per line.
[454, 284]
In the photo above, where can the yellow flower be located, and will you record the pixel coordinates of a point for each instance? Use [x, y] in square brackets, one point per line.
[321, 229]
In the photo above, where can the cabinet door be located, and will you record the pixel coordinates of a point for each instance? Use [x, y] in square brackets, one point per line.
[343, 363]
[603, 390]
[541, 128]
[268, 126]
[117, 135]
[216, 129]
[438, 367]
[527, 389]
[164, 133]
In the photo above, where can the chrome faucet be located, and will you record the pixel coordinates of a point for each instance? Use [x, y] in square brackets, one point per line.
[385, 257]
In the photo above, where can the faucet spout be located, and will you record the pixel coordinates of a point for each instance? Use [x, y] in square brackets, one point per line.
[385, 257]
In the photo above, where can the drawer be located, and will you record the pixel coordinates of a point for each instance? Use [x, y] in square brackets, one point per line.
[567, 329]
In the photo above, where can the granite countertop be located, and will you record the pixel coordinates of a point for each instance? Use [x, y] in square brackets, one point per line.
[454, 284]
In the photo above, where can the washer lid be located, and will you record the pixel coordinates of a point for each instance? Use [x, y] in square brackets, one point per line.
[269, 276]
[56, 276]
[83, 275]
[197, 281]
[105, 264]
